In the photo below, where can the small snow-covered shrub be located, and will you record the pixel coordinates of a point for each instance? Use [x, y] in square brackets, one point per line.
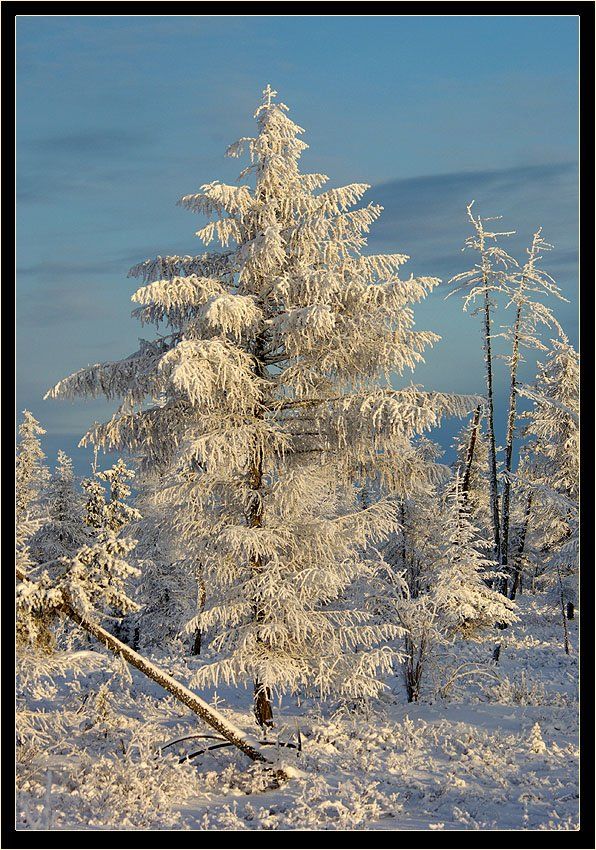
[519, 690]
[139, 790]
[319, 805]
[536, 742]
[134, 789]
[453, 680]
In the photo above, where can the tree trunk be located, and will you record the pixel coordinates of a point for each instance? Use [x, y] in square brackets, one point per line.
[211, 716]
[509, 451]
[492, 450]
[563, 617]
[196, 642]
[262, 706]
[492, 445]
[465, 487]
[517, 569]
[201, 597]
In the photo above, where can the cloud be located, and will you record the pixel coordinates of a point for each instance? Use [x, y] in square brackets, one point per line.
[59, 270]
[426, 216]
[63, 305]
[51, 271]
[87, 142]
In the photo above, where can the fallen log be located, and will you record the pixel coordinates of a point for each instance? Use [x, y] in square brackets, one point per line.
[246, 743]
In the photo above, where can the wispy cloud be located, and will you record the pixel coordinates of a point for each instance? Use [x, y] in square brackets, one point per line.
[426, 216]
[92, 141]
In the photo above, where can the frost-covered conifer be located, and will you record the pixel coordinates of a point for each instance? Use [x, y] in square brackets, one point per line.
[268, 396]
[536, 741]
[550, 474]
[110, 512]
[413, 552]
[31, 475]
[64, 530]
[466, 606]
[168, 588]
[108, 517]
[553, 421]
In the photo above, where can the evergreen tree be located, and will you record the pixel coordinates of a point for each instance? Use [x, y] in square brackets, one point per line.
[64, 531]
[108, 516]
[466, 606]
[167, 591]
[31, 475]
[110, 512]
[550, 475]
[270, 395]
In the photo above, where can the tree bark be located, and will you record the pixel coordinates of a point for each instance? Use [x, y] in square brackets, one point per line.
[262, 705]
[211, 716]
[201, 597]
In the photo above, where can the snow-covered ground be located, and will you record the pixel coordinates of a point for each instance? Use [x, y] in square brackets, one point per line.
[468, 756]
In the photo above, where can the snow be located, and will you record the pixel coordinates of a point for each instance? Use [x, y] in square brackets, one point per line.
[466, 760]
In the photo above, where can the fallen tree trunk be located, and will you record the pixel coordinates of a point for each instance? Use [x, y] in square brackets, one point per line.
[210, 715]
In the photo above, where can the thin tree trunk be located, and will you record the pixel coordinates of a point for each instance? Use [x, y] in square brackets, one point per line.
[211, 716]
[563, 617]
[465, 487]
[509, 451]
[517, 568]
[197, 641]
[262, 702]
[201, 597]
[492, 445]
[262, 705]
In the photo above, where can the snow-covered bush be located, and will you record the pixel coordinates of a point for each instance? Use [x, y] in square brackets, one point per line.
[133, 788]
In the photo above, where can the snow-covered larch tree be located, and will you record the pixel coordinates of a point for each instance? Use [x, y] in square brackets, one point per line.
[483, 282]
[168, 588]
[525, 289]
[270, 394]
[414, 552]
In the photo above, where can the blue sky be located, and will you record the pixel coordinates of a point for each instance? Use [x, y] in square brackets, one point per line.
[119, 116]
